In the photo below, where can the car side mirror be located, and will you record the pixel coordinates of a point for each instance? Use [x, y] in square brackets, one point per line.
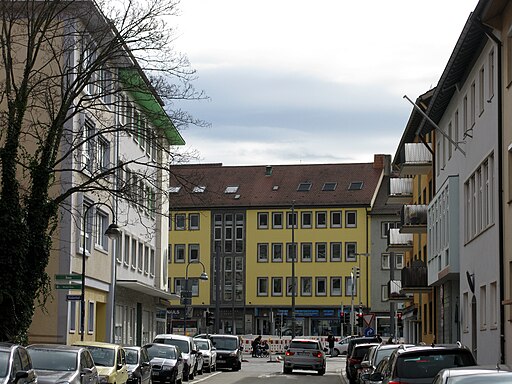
[119, 367]
[179, 358]
[85, 371]
[145, 364]
[193, 352]
[20, 375]
[377, 376]
[365, 364]
[214, 349]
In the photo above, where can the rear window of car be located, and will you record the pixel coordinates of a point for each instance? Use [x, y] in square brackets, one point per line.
[359, 352]
[225, 343]
[412, 366]
[304, 345]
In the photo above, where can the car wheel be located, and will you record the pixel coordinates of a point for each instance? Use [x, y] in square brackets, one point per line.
[214, 367]
[321, 372]
[208, 368]
[335, 352]
[186, 372]
[287, 370]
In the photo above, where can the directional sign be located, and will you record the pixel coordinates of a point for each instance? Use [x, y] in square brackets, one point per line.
[71, 276]
[73, 297]
[369, 332]
[68, 286]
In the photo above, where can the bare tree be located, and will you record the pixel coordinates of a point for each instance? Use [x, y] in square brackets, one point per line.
[63, 62]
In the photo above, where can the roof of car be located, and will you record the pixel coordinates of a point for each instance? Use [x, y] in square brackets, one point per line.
[437, 347]
[473, 370]
[74, 348]
[172, 336]
[6, 346]
[305, 340]
[98, 344]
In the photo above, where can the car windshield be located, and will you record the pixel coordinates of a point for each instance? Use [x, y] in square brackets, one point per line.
[303, 345]
[226, 343]
[181, 344]
[103, 357]
[53, 360]
[202, 345]
[429, 364]
[4, 363]
[161, 352]
[132, 356]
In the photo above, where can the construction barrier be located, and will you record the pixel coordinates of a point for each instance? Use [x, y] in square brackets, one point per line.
[277, 345]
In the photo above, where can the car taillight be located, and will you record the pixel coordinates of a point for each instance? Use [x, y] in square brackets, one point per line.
[353, 361]
[289, 353]
[317, 354]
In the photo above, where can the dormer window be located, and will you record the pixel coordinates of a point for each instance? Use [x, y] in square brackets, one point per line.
[355, 185]
[231, 189]
[199, 189]
[329, 187]
[304, 187]
[175, 189]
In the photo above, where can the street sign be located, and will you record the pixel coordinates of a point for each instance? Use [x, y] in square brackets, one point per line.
[368, 318]
[68, 286]
[73, 297]
[185, 293]
[186, 301]
[369, 332]
[69, 276]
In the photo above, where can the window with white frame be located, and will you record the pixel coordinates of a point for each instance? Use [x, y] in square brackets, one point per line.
[336, 286]
[306, 288]
[306, 251]
[321, 219]
[101, 225]
[152, 263]
[386, 226]
[321, 286]
[193, 221]
[262, 220]
[88, 145]
[472, 104]
[481, 89]
[350, 286]
[140, 260]
[277, 220]
[72, 317]
[146, 259]
[277, 286]
[262, 286]
[126, 250]
[91, 317]
[87, 231]
[336, 250]
[385, 261]
[483, 307]
[134, 253]
[321, 251]
[102, 154]
[289, 286]
[384, 292]
[193, 253]
[179, 221]
[306, 220]
[493, 305]
[291, 252]
[262, 252]
[291, 220]
[350, 251]
[399, 260]
[336, 219]
[350, 219]
[277, 252]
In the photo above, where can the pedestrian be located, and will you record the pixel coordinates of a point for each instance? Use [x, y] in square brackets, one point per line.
[330, 340]
[256, 346]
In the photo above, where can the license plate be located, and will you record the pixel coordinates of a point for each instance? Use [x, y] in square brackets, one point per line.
[221, 361]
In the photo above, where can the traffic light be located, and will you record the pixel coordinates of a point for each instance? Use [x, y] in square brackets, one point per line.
[210, 318]
[357, 272]
[360, 319]
[399, 319]
[342, 317]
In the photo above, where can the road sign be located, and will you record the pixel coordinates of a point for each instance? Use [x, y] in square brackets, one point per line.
[69, 276]
[68, 286]
[186, 293]
[73, 297]
[368, 318]
[369, 332]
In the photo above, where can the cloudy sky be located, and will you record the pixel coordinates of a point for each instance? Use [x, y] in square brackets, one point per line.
[301, 81]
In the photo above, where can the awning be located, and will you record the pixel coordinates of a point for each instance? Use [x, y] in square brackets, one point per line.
[147, 289]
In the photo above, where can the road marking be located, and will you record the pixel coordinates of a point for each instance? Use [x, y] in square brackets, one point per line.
[207, 377]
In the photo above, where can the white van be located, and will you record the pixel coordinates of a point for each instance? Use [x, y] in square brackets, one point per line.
[188, 350]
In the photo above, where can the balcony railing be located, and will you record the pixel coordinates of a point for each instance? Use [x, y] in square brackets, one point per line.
[415, 159]
[399, 242]
[414, 218]
[395, 291]
[414, 277]
[400, 190]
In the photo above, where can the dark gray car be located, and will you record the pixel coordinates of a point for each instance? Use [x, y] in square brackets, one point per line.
[63, 364]
[138, 363]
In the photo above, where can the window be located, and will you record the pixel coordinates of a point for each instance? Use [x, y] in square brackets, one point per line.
[329, 187]
[102, 154]
[399, 260]
[465, 115]
[193, 253]
[321, 220]
[384, 264]
[321, 251]
[140, 260]
[277, 252]
[306, 288]
[350, 286]
[134, 253]
[72, 316]
[304, 187]
[384, 292]
[231, 189]
[262, 253]
[306, 252]
[456, 134]
[101, 226]
[291, 251]
[321, 286]
[277, 220]
[491, 74]
[193, 221]
[307, 220]
[87, 231]
[262, 286]
[386, 226]
[87, 145]
[90, 321]
[450, 145]
[355, 185]
[174, 189]
[179, 253]
[336, 251]
[350, 219]
[262, 220]
[146, 259]
[350, 251]
[483, 307]
[277, 286]
[336, 219]
[289, 287]
[481, 88]
[291, 220]
[199, 189]
[152, 263]
[126, 250]
[179, 221]
[335, 286]
[472, 103]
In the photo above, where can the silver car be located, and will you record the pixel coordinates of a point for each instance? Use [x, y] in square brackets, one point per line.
[305, 354]
[15, 365]
[209, 354]
[62, 364]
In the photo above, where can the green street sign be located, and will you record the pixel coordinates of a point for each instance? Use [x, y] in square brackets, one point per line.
[68, 286]
[68, 277]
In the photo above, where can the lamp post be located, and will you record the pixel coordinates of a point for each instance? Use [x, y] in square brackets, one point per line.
[112, 232]
[188, 294]
[293, 269]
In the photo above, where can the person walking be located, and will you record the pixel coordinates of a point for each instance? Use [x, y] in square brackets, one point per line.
[330, 341]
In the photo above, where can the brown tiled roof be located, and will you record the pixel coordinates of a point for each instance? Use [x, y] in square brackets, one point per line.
[279, 189]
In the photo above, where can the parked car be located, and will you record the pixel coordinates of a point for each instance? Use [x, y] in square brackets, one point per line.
[16, 365]
[381, 368]
[229, 351]
[188, 351]
[167, 363]
[355, 358]
[355, 341]
[199, 360]
[209, 354]
[63, 363]
[421, 364]
[305, 354]
[474, 375]
[374, 357]
[340, 347]
[139, 367]
[110, 360]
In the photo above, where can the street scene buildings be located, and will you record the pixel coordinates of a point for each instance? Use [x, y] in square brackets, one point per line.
[413, 245]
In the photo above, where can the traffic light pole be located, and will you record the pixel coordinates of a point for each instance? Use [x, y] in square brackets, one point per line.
[352, 317]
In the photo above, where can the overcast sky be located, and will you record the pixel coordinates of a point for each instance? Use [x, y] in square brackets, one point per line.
[301, 81]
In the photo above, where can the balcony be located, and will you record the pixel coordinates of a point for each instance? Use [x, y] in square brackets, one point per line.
[414, 218]
[399, 242]
[400, 190]
[395, 292]
[414, 278]
[415, 159]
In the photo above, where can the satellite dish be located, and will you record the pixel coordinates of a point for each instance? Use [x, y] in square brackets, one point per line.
[471, 281]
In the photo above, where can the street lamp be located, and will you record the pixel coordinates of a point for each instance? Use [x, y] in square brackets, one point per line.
[294, 287]
[112, 232]
[188, 294]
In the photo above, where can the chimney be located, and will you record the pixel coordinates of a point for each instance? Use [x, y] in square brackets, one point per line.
[268, 170]
[380, 161]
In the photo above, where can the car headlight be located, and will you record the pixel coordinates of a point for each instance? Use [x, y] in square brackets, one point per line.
[103, 379]
[167, 368]
[130, 374]
[232, 354]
